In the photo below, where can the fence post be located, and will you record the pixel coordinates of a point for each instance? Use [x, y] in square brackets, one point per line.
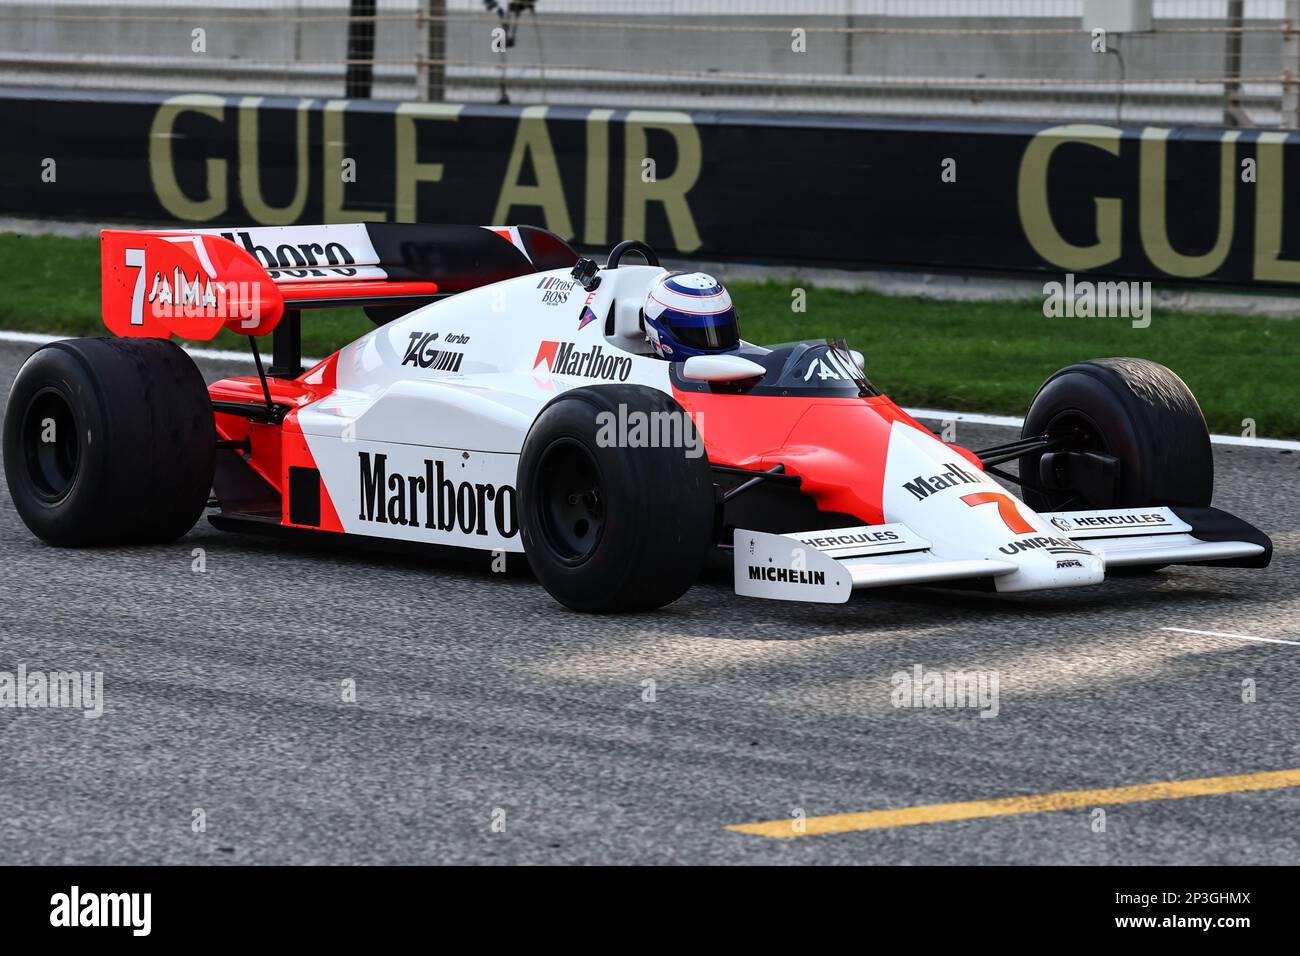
[1233, 114]
[361, 50]
[1291, 66]
[433, 75]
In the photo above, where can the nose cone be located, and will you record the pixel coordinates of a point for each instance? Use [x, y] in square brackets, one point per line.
[965, 514]
[1049, 561]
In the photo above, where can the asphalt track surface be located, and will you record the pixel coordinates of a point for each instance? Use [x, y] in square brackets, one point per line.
[480, 699]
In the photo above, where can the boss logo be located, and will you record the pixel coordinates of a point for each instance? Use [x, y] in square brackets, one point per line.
[555, 291]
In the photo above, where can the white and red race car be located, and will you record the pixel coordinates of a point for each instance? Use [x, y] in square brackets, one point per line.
[508, 402]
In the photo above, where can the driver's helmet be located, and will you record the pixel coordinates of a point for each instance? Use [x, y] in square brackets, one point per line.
[690, 313]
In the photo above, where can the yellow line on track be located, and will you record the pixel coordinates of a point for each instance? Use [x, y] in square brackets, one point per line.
[1009, 806]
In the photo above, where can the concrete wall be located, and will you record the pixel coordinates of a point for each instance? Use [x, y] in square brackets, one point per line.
[704, 60]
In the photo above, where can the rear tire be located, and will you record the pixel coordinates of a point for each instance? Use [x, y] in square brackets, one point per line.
[605, 527]
[109, 441]
[1139, 412]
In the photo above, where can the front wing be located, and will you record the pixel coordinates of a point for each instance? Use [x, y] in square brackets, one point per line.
[827, 566]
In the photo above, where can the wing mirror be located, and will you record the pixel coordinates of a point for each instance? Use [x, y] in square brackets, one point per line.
[721, 368]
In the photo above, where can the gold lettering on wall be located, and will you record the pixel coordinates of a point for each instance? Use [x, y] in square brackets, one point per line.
[1152, 192]
[410, 171]
[670, 191]
[532, 141]
[250, 184]
[162, 169]
[1035, 211]
[333, 151]
[1269, 186]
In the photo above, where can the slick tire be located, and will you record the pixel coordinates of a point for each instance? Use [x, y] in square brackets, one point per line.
[606, 527]
[1136, 410]
[109, 441]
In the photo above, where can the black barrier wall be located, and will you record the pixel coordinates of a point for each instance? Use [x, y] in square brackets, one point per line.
[1195, 204]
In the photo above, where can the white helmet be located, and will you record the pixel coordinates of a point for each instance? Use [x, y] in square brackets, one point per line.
[690, 313]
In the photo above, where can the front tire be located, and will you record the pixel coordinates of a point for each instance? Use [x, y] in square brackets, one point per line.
[109, 441]
[613, 526]
[1137, 411]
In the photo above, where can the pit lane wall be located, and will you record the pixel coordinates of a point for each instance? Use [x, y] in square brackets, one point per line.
[1199, 205]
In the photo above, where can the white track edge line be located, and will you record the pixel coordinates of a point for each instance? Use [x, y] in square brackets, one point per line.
[216, 355]
[1011, 421]
[1240, 637]
[931, 414]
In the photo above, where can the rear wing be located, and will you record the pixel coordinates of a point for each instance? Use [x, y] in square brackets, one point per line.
[254, 281]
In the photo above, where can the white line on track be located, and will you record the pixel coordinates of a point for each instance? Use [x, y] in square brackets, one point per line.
[975, 418]
[1240, 637]
[930, 414]
[216, 355]
[1010, 421]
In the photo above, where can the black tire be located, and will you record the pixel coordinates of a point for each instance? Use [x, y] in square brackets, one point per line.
[1138, 411]
[641, 540]
[133, 447]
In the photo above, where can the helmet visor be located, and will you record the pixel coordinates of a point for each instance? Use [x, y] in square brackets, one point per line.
[724, 336]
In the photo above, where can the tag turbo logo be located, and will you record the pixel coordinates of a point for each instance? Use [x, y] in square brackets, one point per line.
[75, 909]
[564, 358]
[301, 261]
[447, 506]
[922, 487]
[420, 352]
[556, 291]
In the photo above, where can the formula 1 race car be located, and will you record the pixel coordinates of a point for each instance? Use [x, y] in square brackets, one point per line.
[508, 401]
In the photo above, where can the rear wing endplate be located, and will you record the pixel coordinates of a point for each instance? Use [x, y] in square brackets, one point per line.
[255, 281]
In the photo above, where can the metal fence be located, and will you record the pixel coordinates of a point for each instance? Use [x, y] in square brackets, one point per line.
[1234, 62]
